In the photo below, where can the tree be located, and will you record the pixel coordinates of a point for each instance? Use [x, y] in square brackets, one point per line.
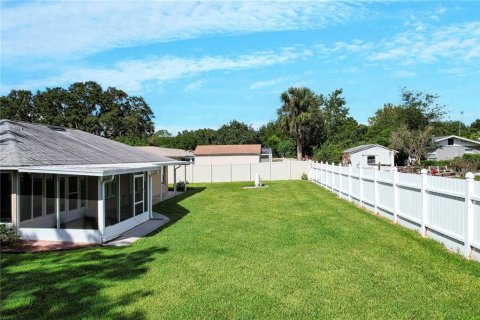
[236, 132]
[50, 105]
[446, 128]
[335, 113]
[83, 105]
[419, 110]
[415, 143]
[474, 130]
[299, 115]
[17, 106]
[383, 124]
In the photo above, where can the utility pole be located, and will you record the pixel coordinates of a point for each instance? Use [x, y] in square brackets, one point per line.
[460, 122]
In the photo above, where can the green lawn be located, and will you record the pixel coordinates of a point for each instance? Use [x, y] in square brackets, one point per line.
[289, 251]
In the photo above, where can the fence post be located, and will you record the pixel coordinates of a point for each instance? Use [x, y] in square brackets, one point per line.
[290, 170]
[469, 177]
[332, 177]
[270, 169]
[375, 190]
[231, 176]
[349, 182]
[360, 182]
[340, 184]
[326, 176]
[211, 172]
[423, 229]
[250, 172]
[395, 195]
[321, 173]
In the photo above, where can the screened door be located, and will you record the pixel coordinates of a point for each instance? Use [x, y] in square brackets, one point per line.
[138, 190]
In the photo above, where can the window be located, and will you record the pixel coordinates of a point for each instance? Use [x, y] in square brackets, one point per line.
[111, 189]
[162, 175]
[450, 142]
[72, 193]
[49, 194]
[371, 160]
[468, 151]
[5, 197]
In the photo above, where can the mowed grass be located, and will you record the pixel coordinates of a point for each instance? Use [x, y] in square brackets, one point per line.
[289, 251]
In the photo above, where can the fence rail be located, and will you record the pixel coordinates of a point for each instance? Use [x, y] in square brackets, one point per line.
[231, 172]
[444, 209]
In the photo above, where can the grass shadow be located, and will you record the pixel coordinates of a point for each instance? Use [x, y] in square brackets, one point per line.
[172, 208]
[69, 286]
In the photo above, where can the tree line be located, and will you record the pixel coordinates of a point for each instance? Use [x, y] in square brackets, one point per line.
[109, 113]
[308, 125]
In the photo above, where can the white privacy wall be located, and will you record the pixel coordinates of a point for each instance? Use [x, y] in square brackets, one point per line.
[444, 209]
[285, 170]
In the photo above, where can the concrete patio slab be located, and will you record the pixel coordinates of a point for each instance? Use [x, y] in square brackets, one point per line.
[139, 231]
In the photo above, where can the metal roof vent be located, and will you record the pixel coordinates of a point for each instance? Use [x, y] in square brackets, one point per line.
[57, 128]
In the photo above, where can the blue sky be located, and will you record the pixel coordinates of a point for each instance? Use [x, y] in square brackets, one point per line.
[202, 64]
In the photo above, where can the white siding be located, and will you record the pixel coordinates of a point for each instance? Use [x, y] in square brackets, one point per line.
[227, 159]
[382, 156]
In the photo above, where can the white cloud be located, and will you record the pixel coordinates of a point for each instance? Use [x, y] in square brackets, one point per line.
[194, 86]
[72, 29]
[404, 74]
[429, 45]
[130, 75]
[264, 84]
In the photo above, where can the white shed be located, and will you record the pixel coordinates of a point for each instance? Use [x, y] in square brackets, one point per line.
[370, 155]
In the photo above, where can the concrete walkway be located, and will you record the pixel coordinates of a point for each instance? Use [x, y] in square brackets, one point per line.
[139, 231]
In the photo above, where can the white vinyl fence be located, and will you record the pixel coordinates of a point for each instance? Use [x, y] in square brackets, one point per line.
[444, 209]
[285, 170]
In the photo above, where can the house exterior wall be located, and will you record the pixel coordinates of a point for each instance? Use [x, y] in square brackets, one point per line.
[159, 190]
[457, 143]
[227, 159]
[457, 149]
[382, 156]
[450, 152]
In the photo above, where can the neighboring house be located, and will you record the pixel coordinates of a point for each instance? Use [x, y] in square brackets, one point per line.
[69, 185]
[450, 147]
[232, 153]
[168, 172]
[369, 155]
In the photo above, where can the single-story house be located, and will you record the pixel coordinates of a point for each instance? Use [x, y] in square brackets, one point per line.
[232, 153]
[450, 147]
[68, 185]
[369, 155]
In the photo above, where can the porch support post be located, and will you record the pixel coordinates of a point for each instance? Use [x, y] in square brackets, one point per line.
[163, 177]
[174, 180]
[57, 200]
[150, 194]
[185, 175]
[101, 208]
[14, 197]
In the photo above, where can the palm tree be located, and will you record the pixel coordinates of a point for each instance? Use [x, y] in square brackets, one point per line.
[297, 115]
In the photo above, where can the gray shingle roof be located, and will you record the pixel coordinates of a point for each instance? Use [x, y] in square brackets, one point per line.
[27, 144]
[167, 152]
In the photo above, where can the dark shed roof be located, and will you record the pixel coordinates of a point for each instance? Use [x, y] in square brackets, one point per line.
[28, 144]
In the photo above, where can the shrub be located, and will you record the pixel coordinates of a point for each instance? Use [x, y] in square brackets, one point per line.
[432, 163]
[181, 185]
[474, 159]
[8, 236]
[304, 176]
[462, 165]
